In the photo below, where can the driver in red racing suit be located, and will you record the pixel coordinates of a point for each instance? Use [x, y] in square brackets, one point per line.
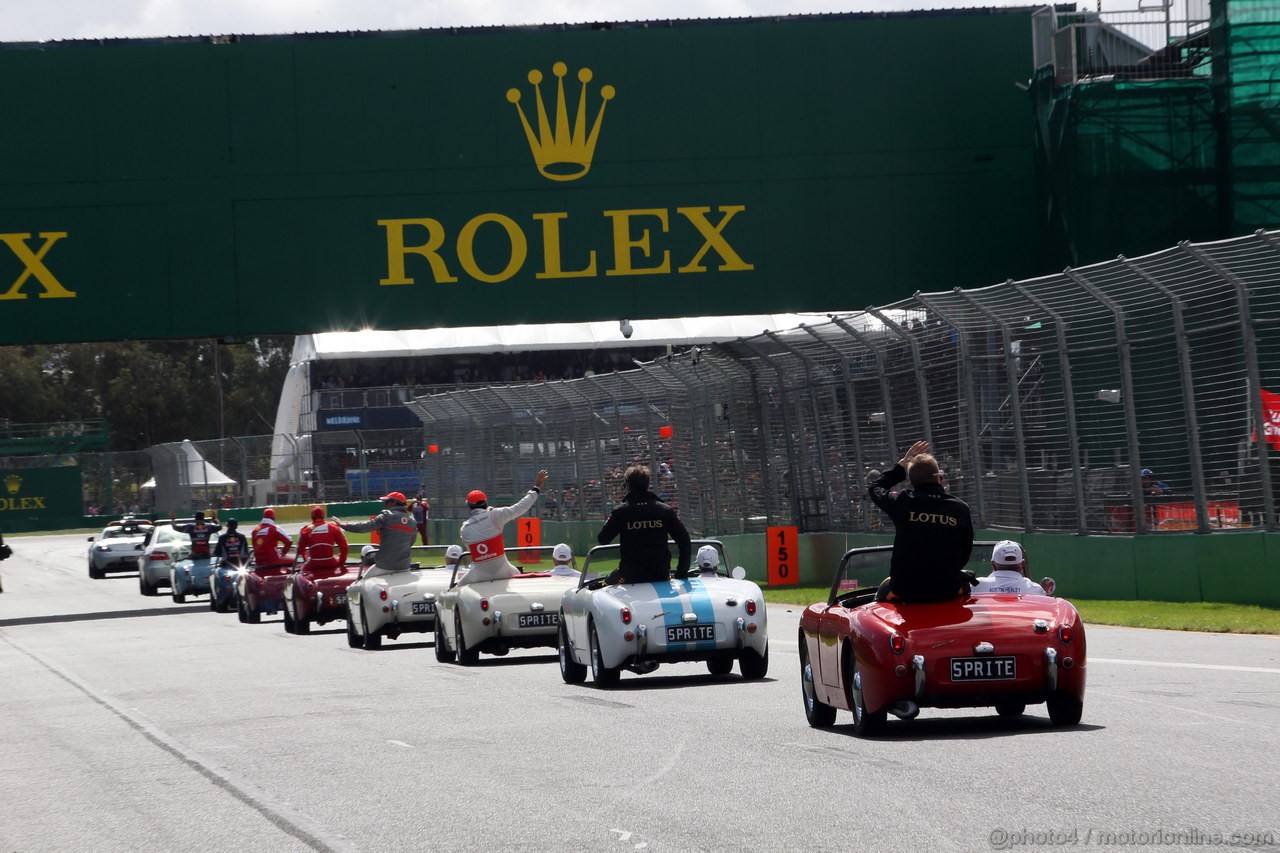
[482, 533]
[270, 544]
[322, 544]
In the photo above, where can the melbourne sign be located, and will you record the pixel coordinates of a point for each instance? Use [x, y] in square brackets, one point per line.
[189, 188]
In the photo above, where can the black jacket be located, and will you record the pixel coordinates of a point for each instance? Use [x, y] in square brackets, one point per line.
[645, 524]
[232, 546]
[933, 539]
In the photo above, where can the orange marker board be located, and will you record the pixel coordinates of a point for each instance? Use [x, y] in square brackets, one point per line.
[783, 557]
[529, 535]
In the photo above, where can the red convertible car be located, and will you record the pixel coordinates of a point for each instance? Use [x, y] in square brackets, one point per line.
[261, 590]
[317, 595]
[880, 658]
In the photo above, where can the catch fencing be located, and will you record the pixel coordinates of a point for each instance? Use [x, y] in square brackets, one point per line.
[1044, 400]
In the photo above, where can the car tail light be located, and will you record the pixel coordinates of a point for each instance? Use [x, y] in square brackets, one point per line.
[1065, 633]
[751, 607]
[383, 594]
[897, 642]
[484, 604]
[158, 555]
[625, 613]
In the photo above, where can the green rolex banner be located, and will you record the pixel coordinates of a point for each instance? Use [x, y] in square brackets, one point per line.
[40, 499]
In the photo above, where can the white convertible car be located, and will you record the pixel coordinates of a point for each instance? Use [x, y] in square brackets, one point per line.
[398, 603]
[499, 615]
[713, 616]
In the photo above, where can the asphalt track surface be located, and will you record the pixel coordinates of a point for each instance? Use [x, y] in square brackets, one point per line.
[134, 724]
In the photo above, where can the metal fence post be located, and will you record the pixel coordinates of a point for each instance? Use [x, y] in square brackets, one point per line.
[1252, 370]
[917, 365]
[1015, 402]
[971, 404]
[1069, 400]
[1127, 391]
[851, 401]
[1188, 392]
[891, 435]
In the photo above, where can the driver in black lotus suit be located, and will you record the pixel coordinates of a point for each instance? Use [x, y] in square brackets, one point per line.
[645, 523]
[934, 531]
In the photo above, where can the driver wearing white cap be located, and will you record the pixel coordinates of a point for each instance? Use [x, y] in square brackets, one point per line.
[1009, 568]
[562, 562]
[708, 560]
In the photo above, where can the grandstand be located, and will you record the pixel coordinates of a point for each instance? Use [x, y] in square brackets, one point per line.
[343, 426]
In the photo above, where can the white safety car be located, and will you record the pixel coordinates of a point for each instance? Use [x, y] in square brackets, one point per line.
[388, 605]
[499, 615]
[118, 547]
[713, 616]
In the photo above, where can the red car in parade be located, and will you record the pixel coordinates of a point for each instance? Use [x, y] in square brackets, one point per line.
[261, 590]
[317, 595]
[993, 649]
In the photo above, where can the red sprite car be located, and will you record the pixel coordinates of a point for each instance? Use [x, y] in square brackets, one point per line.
[317, 595]
[879, 658]
[261, 590]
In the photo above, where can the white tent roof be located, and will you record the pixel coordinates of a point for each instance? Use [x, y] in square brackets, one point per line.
[676, 331]
[200, 471]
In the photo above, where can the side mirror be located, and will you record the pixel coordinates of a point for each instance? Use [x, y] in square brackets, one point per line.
[90, 538]
[1049, 585]
[738, 573]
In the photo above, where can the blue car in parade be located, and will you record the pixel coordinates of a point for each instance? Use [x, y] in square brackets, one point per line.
[223, 595]
[190, 576]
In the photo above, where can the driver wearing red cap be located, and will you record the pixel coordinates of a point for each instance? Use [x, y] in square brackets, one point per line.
[482, 533]
[396, 530]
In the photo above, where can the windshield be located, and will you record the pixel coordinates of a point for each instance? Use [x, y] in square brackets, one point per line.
[603, 559]
[864, 568]
[122, 532]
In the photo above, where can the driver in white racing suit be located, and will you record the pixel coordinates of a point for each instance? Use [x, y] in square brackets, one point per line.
[482, 533]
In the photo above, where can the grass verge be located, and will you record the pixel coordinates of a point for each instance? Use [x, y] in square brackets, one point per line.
[1206, 616]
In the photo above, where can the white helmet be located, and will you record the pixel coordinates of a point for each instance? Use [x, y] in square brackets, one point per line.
[562, 553]
[368, 553]
[453, 552]
[708, 558]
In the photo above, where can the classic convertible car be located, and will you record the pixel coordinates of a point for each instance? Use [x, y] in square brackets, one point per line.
[260, 590]
[496, 616]
[222, 586]
[388, 605]
[880, 658]
[316, 595]
[713, 616]
[192, 575]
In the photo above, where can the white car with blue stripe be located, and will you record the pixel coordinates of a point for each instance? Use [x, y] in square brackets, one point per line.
[711, 616]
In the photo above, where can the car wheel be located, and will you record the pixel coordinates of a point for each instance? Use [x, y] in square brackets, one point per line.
[353, 639]
[602, 675]
[178, 597]
[289, 624]
[570, 670]
[241, 612]
[371, 641]
[1064, 708]
[251, 614]
[720, 665]
[864, 722]
[213, 601]
[466, 656]
[819, 714]
[444, 654]
[1010, 709]
[144, 587]
[94, 572]
[754, 666]
[301, 627]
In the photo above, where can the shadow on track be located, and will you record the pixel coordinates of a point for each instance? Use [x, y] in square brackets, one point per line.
[966, 728]
[109, 614]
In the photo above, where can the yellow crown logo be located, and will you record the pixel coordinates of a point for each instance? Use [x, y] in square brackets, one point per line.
[562, 155]
[13, 482]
